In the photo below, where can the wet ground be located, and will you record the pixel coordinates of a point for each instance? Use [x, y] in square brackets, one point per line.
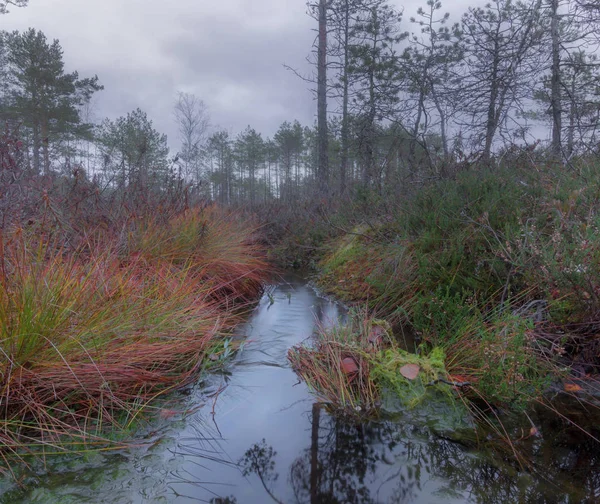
[258, 436]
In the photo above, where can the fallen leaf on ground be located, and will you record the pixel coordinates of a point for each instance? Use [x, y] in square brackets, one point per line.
[572, 387]
[410, 371]
[349, 365]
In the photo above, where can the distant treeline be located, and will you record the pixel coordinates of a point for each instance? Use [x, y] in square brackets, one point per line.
[408, 100]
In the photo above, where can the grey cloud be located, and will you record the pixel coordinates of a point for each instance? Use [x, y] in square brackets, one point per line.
[230, 53]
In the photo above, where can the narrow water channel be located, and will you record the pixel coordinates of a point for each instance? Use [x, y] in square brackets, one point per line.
[259, 436]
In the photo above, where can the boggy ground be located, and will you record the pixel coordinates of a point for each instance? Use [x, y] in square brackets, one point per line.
[498, 270]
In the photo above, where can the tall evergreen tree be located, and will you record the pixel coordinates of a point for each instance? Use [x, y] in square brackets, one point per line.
[220, 151]
[342, 19]
[135, 155]
[500, 42]
[41, 95]
[428, 65]
[578, 112]
[323, 149]
[250, 155]
[289, 140]
[570, 29]
[375, 73]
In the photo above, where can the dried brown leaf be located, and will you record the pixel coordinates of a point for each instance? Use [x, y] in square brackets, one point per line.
[410, 371]
[349, 365]
[572, 387]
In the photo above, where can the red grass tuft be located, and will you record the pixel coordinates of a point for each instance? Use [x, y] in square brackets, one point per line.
[90, 337]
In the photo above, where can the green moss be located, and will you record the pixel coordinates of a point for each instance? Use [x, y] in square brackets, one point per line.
[458, 259]
[346, 249]
[387, 374]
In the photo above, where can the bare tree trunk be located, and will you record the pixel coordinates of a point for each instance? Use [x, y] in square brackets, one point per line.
[323, 138]
[412, 149]
[45, 146]
[492, 115]
[36, 146]
[345, 125]
[572, 117]
[228, 177]
[370, 128]
[443, 121]
[555, 91]
[268, 184]
[277, 184]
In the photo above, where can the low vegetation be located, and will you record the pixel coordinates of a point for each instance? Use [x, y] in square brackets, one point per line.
[359, 366]
[496, 271]
[91, 336]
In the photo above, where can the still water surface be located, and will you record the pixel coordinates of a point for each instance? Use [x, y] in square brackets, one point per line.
[258, 436]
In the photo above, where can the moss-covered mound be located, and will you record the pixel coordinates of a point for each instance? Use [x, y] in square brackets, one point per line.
[358, 368]
[499, 268]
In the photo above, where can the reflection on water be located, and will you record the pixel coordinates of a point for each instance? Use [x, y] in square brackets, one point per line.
[261, 437]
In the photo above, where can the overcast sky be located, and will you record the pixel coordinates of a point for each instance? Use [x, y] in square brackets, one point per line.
[230, 53]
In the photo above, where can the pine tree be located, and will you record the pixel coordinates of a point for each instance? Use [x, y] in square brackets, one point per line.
[41, 95]
[249, 151]
[428, 65]
[374, 71]
[16, 3]
[135, 154]
[501, 42]
[221, 163]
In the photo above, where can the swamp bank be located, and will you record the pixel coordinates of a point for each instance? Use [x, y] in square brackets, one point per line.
[496, 276]
[252, 434]
[465, 370]
[96, 327]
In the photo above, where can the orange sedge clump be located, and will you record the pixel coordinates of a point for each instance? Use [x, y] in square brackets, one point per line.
[91, 336]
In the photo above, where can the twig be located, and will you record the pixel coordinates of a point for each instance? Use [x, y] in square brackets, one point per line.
[453, 384]
[216, 396]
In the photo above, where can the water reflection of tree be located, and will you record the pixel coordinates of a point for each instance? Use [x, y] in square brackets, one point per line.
[334, 469]
[259, 459]
[392, 462]
[562, 466]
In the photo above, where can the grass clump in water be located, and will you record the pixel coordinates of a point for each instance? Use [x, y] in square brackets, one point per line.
[358, 366]
[89, 338]
[336, 366]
